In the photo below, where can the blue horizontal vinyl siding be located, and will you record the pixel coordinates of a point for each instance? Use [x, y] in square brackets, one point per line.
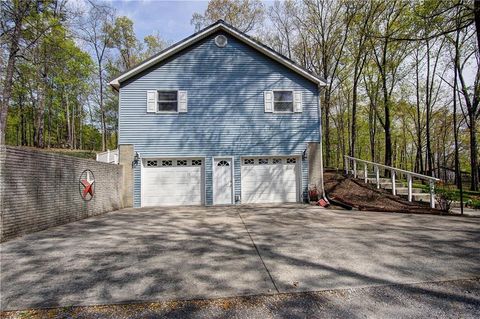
[225, 109]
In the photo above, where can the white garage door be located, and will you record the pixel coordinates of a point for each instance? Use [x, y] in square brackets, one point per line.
[270, 179]
[169, 182]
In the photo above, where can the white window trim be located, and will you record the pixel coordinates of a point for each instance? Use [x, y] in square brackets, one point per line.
[166, 112]
[232, 172]
[293, 101]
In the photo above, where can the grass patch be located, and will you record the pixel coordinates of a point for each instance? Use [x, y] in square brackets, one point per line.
[470, 198]
[75, 153]
[87, 154]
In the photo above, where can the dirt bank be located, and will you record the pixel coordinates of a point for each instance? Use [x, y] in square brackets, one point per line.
[367, 197]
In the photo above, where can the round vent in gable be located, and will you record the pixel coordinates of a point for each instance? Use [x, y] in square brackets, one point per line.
[221, 41]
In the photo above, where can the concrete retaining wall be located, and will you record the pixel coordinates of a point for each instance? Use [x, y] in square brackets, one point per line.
[39, 190]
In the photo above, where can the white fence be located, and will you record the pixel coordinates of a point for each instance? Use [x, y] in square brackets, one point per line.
[110, 156]
[393, 173]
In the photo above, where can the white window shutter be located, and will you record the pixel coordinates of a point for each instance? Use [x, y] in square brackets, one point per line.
[297, 101]
[151, 101]
[182, 101]
[268, 99]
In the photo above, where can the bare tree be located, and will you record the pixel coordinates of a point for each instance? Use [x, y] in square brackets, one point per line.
[328, 24]
[388, 55]
[364, 13]
[471, 97]
[282, 15]
[94, 31]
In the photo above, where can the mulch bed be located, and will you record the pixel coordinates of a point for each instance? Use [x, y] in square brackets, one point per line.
[363, 196]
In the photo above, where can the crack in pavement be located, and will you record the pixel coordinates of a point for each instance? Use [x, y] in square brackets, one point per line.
[256, 249]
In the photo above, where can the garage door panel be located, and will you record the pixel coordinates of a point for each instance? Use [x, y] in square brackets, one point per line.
[269, 168]
[270, 177]
[263, 184]
[263, 198]
[172, 185]
[171, 200]
[169, 191]
[173, 180]
[269, 183]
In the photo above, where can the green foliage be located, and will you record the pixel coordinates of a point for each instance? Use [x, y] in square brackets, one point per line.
[75, 153]
[445, 196]
[67, 69]
[56, 100]
[473, 203]
[122, 37]
[153, 44]
[246, 15]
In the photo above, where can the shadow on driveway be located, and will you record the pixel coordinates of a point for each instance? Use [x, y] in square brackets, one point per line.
[206, 252]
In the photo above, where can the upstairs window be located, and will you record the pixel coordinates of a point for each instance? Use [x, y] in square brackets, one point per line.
[167, 101]
[283, 101]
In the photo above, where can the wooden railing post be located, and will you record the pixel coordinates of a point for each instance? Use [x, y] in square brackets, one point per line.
[394, 171]
[409, 182]
[394, 189]
[432, 194]
[365, 172]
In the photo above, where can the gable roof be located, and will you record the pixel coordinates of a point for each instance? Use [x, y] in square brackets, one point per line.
[194, 38]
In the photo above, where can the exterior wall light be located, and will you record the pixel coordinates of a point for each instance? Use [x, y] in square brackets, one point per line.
[136, 159]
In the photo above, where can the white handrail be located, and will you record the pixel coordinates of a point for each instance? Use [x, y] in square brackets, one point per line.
[430, 179]
[421, 176]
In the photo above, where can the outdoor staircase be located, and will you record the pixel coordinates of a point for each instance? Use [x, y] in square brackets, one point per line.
[400, 182]
[401, 190]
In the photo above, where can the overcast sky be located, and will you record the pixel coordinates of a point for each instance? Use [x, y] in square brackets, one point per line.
[170, 18]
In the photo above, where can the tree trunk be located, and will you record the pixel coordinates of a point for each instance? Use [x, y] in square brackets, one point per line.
[419, 156]
[388, 137]
[102, 111]
[353, 130]
[359, 63]
[476, 10]
[22, 122]
[69, 125]
[40, 115]
[372, 123]
[74, 141]
[8, 82]
[49, 128]
[473, 152]
[428, 109]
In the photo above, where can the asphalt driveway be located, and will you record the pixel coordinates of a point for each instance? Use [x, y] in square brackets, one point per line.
[210, 252]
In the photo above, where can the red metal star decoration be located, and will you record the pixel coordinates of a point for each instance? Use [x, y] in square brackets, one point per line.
[87, 181]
